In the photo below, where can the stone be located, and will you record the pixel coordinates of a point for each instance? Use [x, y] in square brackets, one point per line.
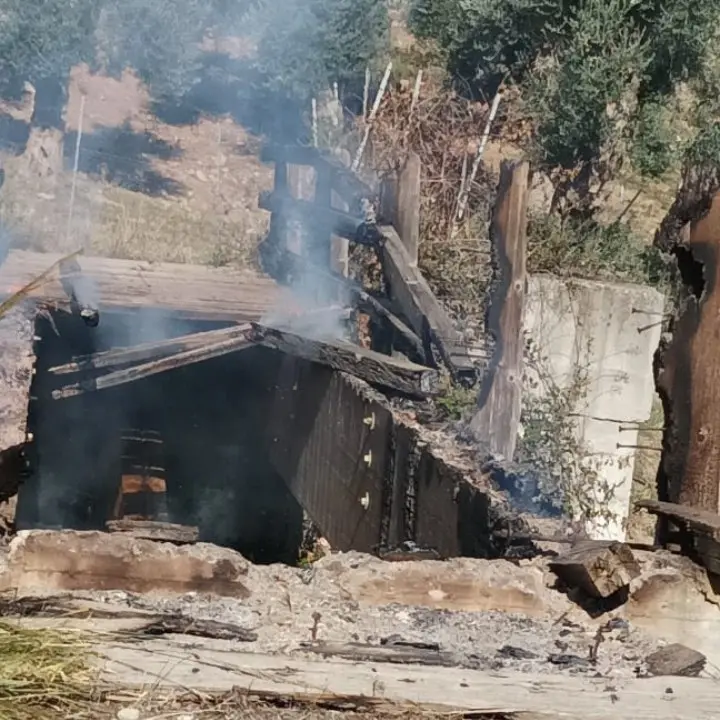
[598, 568]
[50, 561]
[128, 714]
[677, 660]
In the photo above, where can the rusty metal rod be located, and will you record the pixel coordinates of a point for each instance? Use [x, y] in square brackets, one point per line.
[149, 351]
[639, 447]
[640, 428]
[138, 372]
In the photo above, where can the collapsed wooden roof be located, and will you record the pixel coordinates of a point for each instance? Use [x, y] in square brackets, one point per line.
[192, 291]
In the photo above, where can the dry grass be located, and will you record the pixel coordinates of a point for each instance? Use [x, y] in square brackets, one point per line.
[44, 674]
[114, 222]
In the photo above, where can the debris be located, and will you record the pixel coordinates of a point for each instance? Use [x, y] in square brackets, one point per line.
[158, 531]
[515, 653]
[569, 660]
[359, 652]
[675, 659]
[599, 569]
[182, 625]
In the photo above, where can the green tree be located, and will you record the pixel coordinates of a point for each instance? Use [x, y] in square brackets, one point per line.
[598, 77]
[41, 40]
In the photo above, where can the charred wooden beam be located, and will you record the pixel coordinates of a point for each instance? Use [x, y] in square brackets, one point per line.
[364, 302]
[413, 296]
[149, 351]
[145, 370]
[374, 368]
[158, 531]
[355, 229]
[700, 521]
[345, 183]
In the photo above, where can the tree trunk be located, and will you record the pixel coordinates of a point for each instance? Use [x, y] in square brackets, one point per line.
[687, 369]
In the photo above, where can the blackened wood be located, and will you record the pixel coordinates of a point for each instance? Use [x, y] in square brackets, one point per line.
[384, 653]
[370, 366]
[145, 370]
[696, 519]
[597, 568]
[346, 183]
[496, 421]
[339, 246]
[181, 625]
[148, 351]
[158, 531]
[413, 296]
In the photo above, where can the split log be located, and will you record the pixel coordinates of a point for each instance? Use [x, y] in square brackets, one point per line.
[181, 625]
[158, 531]
[359, 652]
[374, 368]
[498, 417]
[675, 660]
[145, 370]
[413, 296]
[597, 568]
[149, 351]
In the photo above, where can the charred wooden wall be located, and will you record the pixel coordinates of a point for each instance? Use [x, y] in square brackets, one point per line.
[366, 477]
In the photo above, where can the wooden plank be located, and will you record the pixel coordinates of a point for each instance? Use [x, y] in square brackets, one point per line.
[339, 246]
[348, 226]
[686, 369]
[363, 652]
[599, 569]
[192, 291]
[301, 186]
[370, 366]
[496, 421]
[148, 351]
[696, 519]
[413, 296]
[152, 530]
[408, 206]
[216, 667]
[145, 370]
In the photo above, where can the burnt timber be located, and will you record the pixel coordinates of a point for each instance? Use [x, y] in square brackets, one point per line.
[381, 370]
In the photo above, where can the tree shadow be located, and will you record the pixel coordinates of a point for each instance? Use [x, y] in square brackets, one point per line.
[13, 134]
[123, 157]
[237, 87]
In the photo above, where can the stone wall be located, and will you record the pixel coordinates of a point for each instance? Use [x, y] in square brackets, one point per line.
[608, 333]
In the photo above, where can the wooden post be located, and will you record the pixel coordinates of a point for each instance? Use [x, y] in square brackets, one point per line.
[407, 221]
[340, 247]
[496, 421]
[278, 224]
[301, 186]
[687, 367]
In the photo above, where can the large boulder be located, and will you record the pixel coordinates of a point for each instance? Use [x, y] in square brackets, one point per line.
[52, 561]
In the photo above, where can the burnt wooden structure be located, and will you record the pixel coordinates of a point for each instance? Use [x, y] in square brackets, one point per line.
[412, 302]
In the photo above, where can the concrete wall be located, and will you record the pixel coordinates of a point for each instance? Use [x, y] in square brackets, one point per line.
[599, 328]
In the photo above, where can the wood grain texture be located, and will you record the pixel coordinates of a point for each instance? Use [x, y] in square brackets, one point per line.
[495, 424]
[187, 290]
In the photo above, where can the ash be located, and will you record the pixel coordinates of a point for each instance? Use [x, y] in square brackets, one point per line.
[287, 606]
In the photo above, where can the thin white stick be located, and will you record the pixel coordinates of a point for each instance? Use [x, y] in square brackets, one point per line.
[465, 190]
[366, 92]
[416, 91]
[76, 165]
[314, 122]
[373, 113]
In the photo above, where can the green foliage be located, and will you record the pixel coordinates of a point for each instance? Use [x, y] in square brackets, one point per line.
[307, 45]
[593, 251]
[597, 76]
